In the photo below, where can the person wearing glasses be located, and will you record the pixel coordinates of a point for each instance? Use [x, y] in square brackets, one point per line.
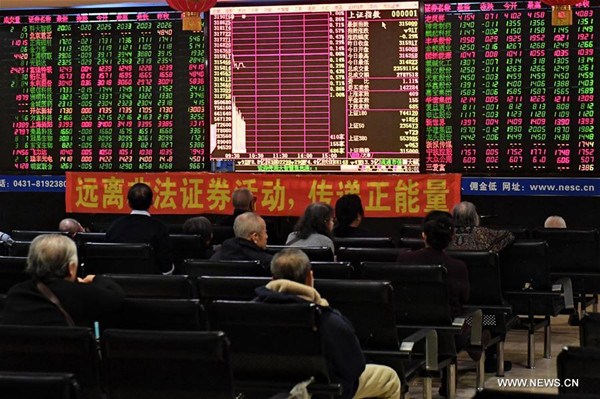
[315, 227]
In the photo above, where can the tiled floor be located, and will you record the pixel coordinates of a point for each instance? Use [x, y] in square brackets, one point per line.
[516, 351]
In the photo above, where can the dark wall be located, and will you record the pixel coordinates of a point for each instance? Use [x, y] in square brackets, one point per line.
[43, 211]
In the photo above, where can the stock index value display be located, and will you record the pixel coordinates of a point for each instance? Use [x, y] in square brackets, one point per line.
[101, 90]
[316, 87]
[507, 92]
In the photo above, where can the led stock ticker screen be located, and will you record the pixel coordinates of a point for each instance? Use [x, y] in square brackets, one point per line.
[507, 92]
[406, 87]
[98, 90]
[316, 87]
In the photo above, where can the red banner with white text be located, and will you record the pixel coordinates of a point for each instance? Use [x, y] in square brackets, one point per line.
[278, 194]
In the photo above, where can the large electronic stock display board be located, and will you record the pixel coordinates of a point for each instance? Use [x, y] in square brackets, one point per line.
[508, 93]
[107, 90]
[316, 87]
[480, 88]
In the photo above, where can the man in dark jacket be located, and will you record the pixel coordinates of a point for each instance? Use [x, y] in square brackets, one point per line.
[52, 264]
[293, 283]
[140, 227]
[249, 242]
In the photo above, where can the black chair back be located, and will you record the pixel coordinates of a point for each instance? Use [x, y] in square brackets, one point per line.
[412, 243]
[581, 365]
[52, 349]
[363, 242]
[411, 230]
[420, 292]
[194, 268]
[358, 255]
[39, 385]
[319, 254]
[332, 270]
[571, 250]
[525, 264]
[118, 258]
[272, 345]
[520, 232]
[167, 364]
[369, 306]
[187, 246]
[29, 235]
[19, 248]
[159, 314]
[589, 330]
[484, 276]
[221, 233]
[231, 288]
[83, 237]
[155, 286]
[12, 271]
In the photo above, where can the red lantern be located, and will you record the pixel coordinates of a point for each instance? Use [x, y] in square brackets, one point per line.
[190, 11]
[561, 11]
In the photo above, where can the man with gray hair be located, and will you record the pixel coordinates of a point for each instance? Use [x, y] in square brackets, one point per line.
[293, 283]
[555, 222]
[243, 201]
[55, 296]
[469, 236]
[249, 242]
[71, 227]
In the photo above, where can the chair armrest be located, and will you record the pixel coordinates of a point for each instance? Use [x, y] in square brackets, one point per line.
[431, 346]
[565, 286]
[476, 324]
[407, 346]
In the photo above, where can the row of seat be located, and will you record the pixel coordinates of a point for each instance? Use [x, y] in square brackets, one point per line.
[370, 305]
[272, 347]
[523, 265]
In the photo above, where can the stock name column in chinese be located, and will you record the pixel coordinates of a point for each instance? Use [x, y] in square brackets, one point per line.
[101, 90]
[17, 92]
[331, 87]
[41, 70]
[438, 90]
[529, 106]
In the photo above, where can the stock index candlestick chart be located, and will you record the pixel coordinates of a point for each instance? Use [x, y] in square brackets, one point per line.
[507, 92]
[316, 87]
[98, 90]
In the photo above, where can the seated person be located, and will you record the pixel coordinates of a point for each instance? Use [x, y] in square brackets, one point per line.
[315, 228]
[243, 201]
[555, 222]
[349, 213]
[200, 226]
[52, 263]
[249, 242]
[140, 227]
[71, 227]
[437, 233]
[469, 236]
[293, 283]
